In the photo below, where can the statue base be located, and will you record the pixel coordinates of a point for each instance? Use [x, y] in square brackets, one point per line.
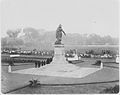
[59, 63]
[59, 54]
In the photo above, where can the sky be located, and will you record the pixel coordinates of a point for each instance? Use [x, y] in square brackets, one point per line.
[76, 16]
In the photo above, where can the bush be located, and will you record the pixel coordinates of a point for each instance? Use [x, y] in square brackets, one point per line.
[34, 83]
[114, 89]
[98, 62]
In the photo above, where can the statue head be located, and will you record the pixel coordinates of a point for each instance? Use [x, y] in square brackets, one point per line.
[60, 25]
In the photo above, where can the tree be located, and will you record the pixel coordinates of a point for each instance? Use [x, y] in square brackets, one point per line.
[13, 39]
[13, 33]
[31, 34]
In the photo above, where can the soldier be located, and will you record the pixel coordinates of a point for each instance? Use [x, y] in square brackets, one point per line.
[38, 64]
[35, 64]
[11, 62]
[42, 63]
[47, 62]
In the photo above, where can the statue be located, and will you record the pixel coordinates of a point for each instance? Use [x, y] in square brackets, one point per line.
[59, 32]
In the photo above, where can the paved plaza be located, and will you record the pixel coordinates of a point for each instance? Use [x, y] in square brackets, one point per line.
[65, 70]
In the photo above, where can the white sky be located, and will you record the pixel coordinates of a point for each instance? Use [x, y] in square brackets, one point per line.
[76, 16]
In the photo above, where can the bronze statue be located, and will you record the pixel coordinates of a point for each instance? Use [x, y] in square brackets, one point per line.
[59, 32]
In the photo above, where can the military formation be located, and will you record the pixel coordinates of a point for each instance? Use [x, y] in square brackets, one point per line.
[40, 63]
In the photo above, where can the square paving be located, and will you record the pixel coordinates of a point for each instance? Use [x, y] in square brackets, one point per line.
[78, 72]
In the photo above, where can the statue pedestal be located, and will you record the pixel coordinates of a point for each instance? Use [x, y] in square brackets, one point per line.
[59, 63]
[59, 54]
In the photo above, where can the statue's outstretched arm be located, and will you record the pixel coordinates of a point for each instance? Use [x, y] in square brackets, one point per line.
[64, 32]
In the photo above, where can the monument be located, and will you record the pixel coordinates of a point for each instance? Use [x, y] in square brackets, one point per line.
[59, 32]
[59, 62]
[59, 53]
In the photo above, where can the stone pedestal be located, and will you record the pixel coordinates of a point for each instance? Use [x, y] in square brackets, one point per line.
[59, 54]
[59, 63]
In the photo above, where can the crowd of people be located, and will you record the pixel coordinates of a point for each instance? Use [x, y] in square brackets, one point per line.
[68, 53]
[41, 62]
[38, 63]
[26, 52]
[91, 54]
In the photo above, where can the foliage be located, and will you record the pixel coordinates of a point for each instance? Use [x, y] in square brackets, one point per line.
[33, 83]
[98, 62]
[114, 89]
[13, 33]
[43, 39]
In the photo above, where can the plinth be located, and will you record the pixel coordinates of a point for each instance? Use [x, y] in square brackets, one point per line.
[59, 54]
[59, 63]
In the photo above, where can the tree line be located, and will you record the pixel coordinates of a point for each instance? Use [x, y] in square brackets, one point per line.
[39, 37]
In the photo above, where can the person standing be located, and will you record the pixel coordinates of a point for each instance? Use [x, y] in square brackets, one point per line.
[38, 64]
[35, 64]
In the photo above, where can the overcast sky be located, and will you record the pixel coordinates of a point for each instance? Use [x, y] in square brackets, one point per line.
[76, 16]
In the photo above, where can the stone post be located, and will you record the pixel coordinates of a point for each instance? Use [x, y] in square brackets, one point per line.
[9, 68]
[101, 65]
